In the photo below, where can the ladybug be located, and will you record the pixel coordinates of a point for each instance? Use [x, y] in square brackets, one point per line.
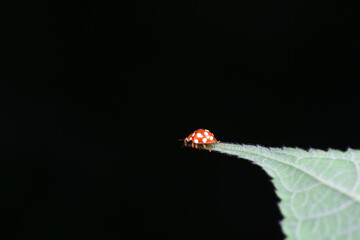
[201, 136]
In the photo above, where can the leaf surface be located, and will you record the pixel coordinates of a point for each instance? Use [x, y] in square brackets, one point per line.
[319, 190]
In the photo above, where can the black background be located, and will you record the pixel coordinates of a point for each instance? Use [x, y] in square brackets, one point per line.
[95, 95]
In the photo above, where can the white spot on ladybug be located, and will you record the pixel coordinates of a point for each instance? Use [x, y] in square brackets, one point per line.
[199, 135]
[211, 138]
[206, 133]
[204, 140]
[193, 134]
[196, 141]
[190, 138]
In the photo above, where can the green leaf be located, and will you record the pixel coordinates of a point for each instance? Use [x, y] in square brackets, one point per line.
[319, 190]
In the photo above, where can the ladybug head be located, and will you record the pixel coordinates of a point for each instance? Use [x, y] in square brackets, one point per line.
[186, 140]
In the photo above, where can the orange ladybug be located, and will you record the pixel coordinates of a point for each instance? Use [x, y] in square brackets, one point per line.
[201, 136]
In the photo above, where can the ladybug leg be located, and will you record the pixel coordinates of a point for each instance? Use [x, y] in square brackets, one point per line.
[206, 147]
